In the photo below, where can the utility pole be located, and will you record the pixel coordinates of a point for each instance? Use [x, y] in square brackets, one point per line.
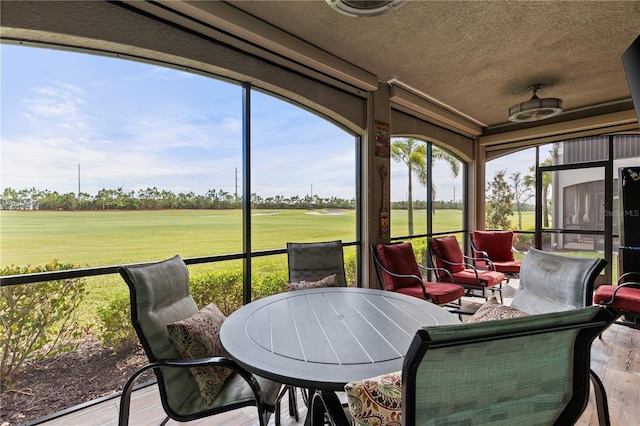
[78, 181]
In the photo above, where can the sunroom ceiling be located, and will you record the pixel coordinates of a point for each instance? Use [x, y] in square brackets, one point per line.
[479, 57]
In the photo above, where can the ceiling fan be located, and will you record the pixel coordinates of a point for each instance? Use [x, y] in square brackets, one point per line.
[536, 108]
[364, 8]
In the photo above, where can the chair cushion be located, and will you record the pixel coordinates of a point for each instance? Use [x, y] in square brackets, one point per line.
[438, 293]
[497, 244]
[329, 281]
[494, 310]
[199, 337]
[487, 278]
[508, 266]
[443, 293]
[627, 298]
[399, 259]
[376, 401]
[447, 248]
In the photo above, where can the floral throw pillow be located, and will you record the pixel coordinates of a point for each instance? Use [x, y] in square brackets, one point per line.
[199, 337]
[494, 310]
[329, 281]
[376, 401]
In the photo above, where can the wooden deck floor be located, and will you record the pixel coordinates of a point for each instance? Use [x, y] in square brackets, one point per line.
[615, 358]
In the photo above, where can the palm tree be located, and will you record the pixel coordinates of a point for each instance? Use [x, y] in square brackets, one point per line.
[454, 164]
[530, 182]
[413, 154]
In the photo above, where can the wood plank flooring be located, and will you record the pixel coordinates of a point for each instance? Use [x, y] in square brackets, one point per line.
[615, 358]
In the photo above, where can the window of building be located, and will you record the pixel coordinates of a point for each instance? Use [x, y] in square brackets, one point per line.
[426, 189]
[108, 161]
[577, 203]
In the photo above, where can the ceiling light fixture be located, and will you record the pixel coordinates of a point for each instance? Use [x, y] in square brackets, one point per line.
[535, 109]
[363, 8]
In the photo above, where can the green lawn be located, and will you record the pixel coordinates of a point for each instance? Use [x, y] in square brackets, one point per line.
[445, 220]
[108, 238]
[90, 239]
[113, 237]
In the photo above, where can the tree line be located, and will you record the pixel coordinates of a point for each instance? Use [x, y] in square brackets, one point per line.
[155, 199]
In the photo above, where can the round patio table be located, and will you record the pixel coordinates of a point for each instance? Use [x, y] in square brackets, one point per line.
[321, 339]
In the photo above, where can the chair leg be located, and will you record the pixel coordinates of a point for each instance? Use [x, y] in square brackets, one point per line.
[499, 291]
[125, 397]
[601, 399]
[326, 408]
[277, 418]
[293, 404]
[290, 391]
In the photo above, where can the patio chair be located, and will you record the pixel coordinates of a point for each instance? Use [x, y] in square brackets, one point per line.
[397, 270]
[542, 376]
[311, 262]
[161, 305]
[446, 254]
[313, 265]
[493, 250]
[550, 282]
[624, 297]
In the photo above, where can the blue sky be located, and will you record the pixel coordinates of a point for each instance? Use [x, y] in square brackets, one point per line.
[135, 125]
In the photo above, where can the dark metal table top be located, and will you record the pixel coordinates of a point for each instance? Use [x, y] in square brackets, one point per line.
[324, 338]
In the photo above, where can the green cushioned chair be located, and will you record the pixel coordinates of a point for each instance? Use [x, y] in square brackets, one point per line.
[542, 377]
[160, 296]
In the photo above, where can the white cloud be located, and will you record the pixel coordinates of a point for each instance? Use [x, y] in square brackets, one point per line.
[135, 126]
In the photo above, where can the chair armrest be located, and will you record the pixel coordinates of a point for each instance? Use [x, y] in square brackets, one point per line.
[417, 278]
[466, 265]
[515, 250]
[125, 398]
[436, 270]
[485, 258]
[393, 274]
[483, 255]
[629, 284]
[626, 275]
[448, 262]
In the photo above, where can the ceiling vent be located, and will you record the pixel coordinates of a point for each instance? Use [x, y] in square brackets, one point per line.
[363, 8]
[535, 109]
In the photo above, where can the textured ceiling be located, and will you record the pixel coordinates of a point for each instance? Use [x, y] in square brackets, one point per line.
[477, 57]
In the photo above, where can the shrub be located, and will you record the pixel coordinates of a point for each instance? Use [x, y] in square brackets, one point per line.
[522, 242]
[37, 320]
[224, 288]
[116, 329]
[420, 250]
[350, 268]
[266, 284]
